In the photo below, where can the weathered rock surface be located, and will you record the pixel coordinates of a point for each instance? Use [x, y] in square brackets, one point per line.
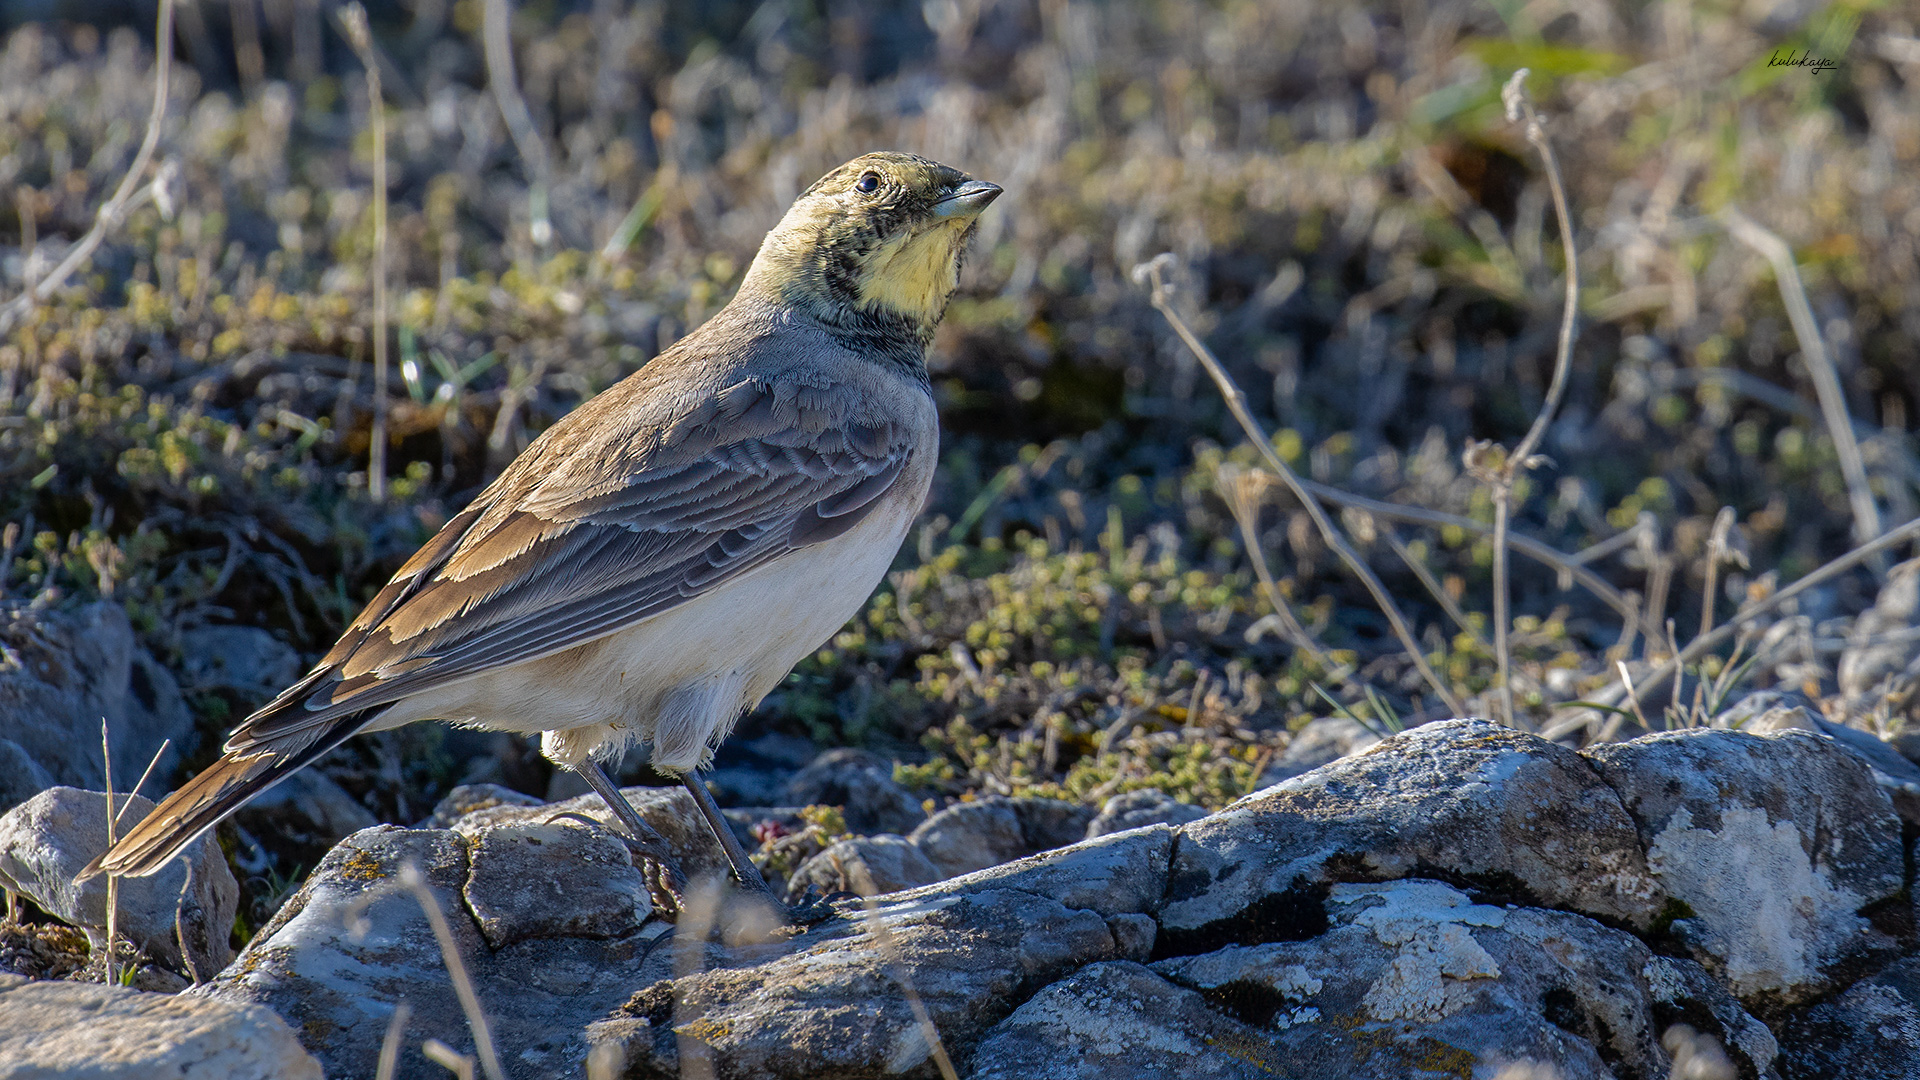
[868, 865]
[46, 840]
[62, 672]
[1413, 979]
[670, 811]
[350, 945]
[1773, 844]
[861, 783]
[85, 1031]
[21, 777]
[307, 810]
[1768, 711]
[1882, 657]
[551, 881]
[1321, 742]
[1137, 809]
[836, 1005]
[1512, 814]
[1870, 1032]
[244, 659]
[470, 798]
[972, 836]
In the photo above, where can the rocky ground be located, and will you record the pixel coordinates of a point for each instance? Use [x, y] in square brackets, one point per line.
[1457, 900]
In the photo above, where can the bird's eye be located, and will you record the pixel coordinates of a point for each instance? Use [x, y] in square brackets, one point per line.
[868, 183]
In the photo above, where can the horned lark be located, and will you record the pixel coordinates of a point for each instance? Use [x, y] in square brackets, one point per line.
[658, 560]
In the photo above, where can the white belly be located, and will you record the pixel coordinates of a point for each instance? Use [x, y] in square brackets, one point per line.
[682, 678]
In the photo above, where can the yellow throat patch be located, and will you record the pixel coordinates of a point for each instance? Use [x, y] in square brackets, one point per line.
[915, 273]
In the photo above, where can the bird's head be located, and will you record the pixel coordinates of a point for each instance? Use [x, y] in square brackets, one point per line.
[875, 245]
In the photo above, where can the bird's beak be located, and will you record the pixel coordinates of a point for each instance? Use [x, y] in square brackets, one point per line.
[967, 200]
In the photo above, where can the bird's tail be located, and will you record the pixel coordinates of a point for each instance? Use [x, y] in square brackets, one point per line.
[206, 800]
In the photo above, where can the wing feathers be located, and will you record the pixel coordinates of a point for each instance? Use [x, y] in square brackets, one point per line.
[584, 535]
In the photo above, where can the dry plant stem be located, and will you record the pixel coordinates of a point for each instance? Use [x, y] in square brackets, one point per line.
[891, 950]
[697, 917]
[1238, 501]
[1237, 403]
[113, 880]
[415, 882]
[1699, 646]
[455, 1062]
[164, 743]
[1521, 459]
[497, 43]
[1826, 381]
[361, 37]
[123, 196]
[390, 1046]
[1569, 565]
[1438, 591]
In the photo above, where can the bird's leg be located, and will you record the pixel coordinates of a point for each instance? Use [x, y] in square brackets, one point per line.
[672, 884]
[808, 911]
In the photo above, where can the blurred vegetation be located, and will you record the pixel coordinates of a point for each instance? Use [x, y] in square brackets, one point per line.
[1360, 235]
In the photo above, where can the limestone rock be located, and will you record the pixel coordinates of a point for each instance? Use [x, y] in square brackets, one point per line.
[1519, 817]
[670, 810]
[244, 659]
[1769, 711]
[21, 777]
[551, 881]
[1869, 1032]
[1120, 874]
[306, 810]
[971, 836]
[1882, 657]
[868, 865]
[346, 948]
[1321, 742]
[860, 783]
[832, 1004]
[471, 798]
[46, 840]
[1136, 809]
[85, 1031]
[62, 672]
[1770, 845]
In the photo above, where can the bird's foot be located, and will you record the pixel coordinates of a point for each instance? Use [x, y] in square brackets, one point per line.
[811, 907]
[659, 871]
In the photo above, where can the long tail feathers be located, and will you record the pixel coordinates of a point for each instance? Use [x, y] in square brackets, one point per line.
[206, 800]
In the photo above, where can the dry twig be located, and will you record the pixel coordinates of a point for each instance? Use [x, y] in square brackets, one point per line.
[497, 43]
[1813, 348]
[128, 196]
[1501, 470]
[1153, 273]
[354, 18]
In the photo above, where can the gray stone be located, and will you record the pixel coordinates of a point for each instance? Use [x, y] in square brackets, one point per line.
[833, 1003]
[1120, 1021]
[1137, 809]
[860, 783]
[471, 798]
[1321, 742]
[244, 659]
[971, 836]
[85, 1031]
[21, 777]
[1775, 711]
[1517, 816]
[1869, 1032]
[351, 944]
[1770, 845]
[867, 865]
[1882, 657]
[63, 671]
[670, 810]
[566, 879]
[48, 839]
[1120, 874]
[1414, 971]
[306, 809]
